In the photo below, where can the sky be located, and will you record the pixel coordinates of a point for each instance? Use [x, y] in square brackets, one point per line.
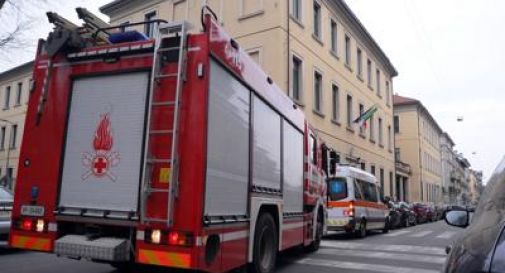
[449, 54]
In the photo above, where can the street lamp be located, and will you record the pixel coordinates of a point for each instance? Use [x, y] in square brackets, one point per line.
[7, 175]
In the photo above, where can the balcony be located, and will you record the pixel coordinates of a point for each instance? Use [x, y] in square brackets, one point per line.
[403, 168]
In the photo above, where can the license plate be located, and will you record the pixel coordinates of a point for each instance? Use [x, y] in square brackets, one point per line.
[5, 214]
[32, 210]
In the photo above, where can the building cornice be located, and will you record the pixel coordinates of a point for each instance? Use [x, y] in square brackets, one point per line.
[26, 67]
[364, 36]
[118, 5]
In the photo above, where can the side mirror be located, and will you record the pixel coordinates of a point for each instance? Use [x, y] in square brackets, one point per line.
[458, 218]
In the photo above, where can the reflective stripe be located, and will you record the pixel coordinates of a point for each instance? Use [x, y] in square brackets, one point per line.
[293, 225]
[33, 243]
[232, 236]
[225, 237]
[171, 259]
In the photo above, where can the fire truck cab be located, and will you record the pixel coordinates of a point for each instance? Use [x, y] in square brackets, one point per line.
[176, 151]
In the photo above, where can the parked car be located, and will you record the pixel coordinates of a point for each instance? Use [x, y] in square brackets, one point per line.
[395, 215]
[421, 212]
[440, 212]
[408, 215]
[481, 248]
[430, 213]
[6, 200]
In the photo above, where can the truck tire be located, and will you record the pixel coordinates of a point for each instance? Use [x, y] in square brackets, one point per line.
[265, 245]
[361, 232]
[387, 224]
[314, 246]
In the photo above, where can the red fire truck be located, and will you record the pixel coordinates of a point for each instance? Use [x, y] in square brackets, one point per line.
[176, 151]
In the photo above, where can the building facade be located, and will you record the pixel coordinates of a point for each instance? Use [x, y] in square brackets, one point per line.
[14, 92]
[449, 164]
[417, 141]
[319, 52]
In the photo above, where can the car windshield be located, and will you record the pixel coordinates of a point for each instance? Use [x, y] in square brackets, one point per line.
[5, 194]
[337, 189]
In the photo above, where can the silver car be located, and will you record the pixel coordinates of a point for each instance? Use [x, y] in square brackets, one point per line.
[6, 200]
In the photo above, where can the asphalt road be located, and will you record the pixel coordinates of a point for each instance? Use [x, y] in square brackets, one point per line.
[418, 249]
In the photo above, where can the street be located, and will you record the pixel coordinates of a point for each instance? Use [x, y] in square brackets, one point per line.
[418, 249]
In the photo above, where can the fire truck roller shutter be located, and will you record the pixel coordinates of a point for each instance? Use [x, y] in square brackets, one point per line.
[266, 146]
[227, 145]
[292, 168]
[102, 160]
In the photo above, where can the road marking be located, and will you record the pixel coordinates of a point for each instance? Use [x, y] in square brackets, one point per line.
[422, 233]
[381, 247]
[362, 266]
[383, 255]
[397, 233]
[447, 234]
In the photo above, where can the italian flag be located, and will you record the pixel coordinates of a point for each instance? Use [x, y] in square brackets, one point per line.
[365, 116]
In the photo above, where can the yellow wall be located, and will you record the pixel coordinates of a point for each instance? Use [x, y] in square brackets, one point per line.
[261, 25]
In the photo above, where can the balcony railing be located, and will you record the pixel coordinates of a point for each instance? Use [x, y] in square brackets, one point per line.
[403, 167]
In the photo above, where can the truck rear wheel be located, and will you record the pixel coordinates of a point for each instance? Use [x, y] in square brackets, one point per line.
[361, 232]
[265, 245]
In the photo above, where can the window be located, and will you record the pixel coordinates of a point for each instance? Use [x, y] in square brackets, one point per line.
[381, 179]
[381, 140]
[391, 186]
[14, 133]
[2, 138]
[396, 124]
[359, 64]
[7, 97]
[317, 20]
[313, 154]
[369, 73]
[18, 93]
[372, 170]
[347, 50]
[363, 166]
[372, 128]
[297, 79]
[378, 81]
[149, 28]
[335, 101]
[357, 190]
[389, 139]
[397, 155]
[296, 9]
[255, 55]
[349, 111]
[369, 191]
[123, 26]
[318, 90]
[251, 7]
[388, 94]
[422, 190]
[361, 110]
[334, 37]
[337, 189]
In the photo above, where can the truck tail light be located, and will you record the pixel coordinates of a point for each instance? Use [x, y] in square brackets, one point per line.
[173, 238]
[26, 224]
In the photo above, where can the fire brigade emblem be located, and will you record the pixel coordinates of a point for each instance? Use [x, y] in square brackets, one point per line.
[100, 162]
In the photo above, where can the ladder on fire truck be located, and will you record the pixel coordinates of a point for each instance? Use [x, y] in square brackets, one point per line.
[170, 48]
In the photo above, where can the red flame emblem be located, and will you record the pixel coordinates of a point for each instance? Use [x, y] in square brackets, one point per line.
[100, 162]
[103, 136]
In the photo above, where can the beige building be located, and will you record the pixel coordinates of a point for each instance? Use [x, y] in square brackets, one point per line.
[316, 50]
[417, 138]
[14, 92]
